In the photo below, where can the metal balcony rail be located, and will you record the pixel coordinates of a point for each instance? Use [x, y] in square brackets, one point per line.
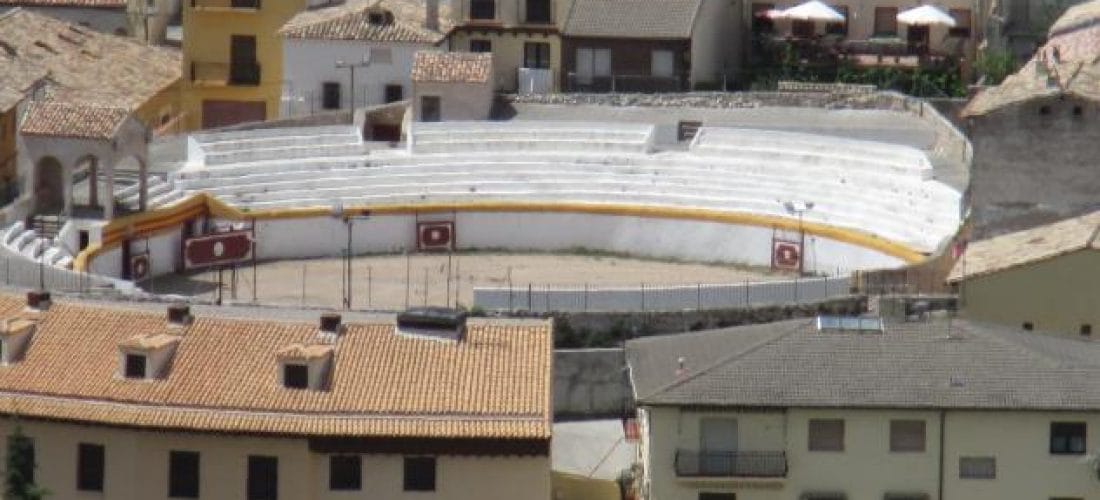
[230, 73]
[692, 463]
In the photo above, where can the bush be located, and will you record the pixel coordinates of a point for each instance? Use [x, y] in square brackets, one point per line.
[995, 66]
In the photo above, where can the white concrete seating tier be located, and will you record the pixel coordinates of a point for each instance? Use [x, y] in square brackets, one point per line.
[529, 136]
[263, 144]
[879, 188]
[810, 147]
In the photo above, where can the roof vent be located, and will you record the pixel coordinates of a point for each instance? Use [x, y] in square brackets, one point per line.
[179, 315]
[435, 322]
[854, 324]
[331, 323]
[38, 300]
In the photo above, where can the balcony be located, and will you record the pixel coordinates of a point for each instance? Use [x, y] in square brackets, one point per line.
[719, 464]
[224, 5]
[217, 74]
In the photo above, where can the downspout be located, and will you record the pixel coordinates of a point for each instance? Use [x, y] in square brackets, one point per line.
[943, 438]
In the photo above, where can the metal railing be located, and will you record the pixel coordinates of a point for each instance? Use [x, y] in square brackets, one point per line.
[228, 73]
[693, 463]
[658, 298]
[625, 83]
[226, 4]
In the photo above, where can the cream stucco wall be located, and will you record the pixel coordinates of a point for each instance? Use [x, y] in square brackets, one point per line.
[1056, 295]
[137, 467]
[867, 469]
[508, 53]
[458, 101]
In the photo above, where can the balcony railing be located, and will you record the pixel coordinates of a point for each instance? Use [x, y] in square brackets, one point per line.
[225, 73]
[226, 4]
[692, 463]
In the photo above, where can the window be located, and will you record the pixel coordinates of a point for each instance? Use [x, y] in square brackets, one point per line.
[592, 63]
[135, 366]
[907, 436]
[483, 9]
[263, 478]
[802, 29]
[538, 11]
[977, 468]
[826, 435]
[1067, 438]
[717, 496]
[24, 443]
[383, 18]
[394, 93]
[295, 376]
[330, 95]
[243, 69]
[1086, 330]
[662, 64]
[1029, 326]
[962, 23]
[345, 472]
[886, 21]
[840, 28]
[1078, 111]
[89, 467]
[477, 45]
[430, 108]
[536, 55]
[419, 473]
[183, 474]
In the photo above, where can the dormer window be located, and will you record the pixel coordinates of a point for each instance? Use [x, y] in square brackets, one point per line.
[146, 356]
[135, 366]
[15, 336]
[304, 366]
[380, 18]
[295, 376]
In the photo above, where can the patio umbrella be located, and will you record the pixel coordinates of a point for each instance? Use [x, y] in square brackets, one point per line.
[813, 10]
[926, 15]
[770, 14]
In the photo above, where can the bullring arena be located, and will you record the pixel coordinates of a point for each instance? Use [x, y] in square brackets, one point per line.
[556, 196]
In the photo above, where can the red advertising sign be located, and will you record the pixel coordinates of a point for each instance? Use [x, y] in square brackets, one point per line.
[435, 235]
[786, 255]
[221, 249]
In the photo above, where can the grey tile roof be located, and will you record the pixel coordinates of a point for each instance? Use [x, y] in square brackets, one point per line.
[651, 19]
[911, 365]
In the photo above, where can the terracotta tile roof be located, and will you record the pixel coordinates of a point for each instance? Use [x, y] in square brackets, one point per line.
[302, 351]
[1075, 71]
[94, 4]
[632, 18]
[84, 65]
[351, 21]
[150, 342]
[66, 119]
[224, 377]
[452, 67]
[1028, 246]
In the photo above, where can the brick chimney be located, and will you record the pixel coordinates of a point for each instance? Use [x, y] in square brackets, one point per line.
[431, 15]
[38, 300]
[179, 315]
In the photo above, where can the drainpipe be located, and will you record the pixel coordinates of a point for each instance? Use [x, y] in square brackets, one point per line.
[943, 439]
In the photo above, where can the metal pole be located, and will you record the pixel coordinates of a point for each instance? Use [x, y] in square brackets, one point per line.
[303, 283]
[220, 284]
[408, 277]
[347, 299]
[449, 280]
[253, 264]
[801, 245]
[425, 287]
[369, 281]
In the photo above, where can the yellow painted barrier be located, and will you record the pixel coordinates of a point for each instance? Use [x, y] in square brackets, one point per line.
[167, 219]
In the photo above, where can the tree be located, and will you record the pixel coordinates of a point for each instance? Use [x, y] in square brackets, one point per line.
[19, 474]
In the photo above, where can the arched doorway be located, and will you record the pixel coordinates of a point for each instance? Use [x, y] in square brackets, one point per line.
[49, 186]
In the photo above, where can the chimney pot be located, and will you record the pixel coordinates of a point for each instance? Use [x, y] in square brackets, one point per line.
[330, 322]
[179, 314]
[38, 300]
[431, 15]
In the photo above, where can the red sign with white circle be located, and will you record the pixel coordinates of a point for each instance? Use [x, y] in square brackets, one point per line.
[435, 235]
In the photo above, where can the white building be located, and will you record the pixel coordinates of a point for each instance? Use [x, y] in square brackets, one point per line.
[355, 54]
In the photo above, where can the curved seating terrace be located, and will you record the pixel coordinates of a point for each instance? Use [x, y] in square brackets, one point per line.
[883, 189]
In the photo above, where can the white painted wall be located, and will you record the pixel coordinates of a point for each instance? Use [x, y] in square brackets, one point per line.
[458, 101]
[307, 64]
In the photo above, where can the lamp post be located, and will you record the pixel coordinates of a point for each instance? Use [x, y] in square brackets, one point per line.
[351, 66]
[800, 207]
[349, 217]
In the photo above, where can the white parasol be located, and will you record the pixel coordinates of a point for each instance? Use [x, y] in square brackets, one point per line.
[926, 15]
[813, 10]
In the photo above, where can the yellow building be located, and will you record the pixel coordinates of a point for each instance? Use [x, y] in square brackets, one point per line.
[233, 60]
[1045, 278]
[127, 403]
[523, 36]
[941, 408]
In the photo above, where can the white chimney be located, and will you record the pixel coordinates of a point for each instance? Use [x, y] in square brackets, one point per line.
[431, 15]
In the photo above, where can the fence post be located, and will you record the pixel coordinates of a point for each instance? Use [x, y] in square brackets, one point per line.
[796, 289]
[746, 287]
[586, 297]
[528, 297]
[698, 296]
[643, 297]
